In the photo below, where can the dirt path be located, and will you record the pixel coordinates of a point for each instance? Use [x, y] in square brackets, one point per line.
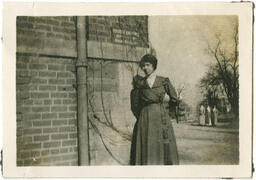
[206, 145]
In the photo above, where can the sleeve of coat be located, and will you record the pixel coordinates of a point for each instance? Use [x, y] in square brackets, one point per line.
[135, 98]
[170, 90]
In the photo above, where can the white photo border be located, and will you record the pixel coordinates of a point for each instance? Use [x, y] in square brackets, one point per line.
[242, 10]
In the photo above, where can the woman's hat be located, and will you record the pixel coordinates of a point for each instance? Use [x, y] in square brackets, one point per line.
[150, 59]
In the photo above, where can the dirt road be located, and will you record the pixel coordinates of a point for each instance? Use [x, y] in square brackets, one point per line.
[207, 145]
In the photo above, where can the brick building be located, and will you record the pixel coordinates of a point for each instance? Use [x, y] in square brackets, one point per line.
[46, 88]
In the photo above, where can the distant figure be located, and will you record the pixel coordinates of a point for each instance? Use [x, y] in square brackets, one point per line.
[215, 115]
[212, 118]
[206, 115]
[208, 110]
[227, 109]
[201, 115]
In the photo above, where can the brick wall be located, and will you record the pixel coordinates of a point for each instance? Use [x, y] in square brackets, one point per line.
[46, 35]
[109, 111]
[125, 30]
[46, 88]
[46, 111]
[46, 94]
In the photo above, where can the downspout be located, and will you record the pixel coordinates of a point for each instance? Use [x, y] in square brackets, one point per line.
[81, 76]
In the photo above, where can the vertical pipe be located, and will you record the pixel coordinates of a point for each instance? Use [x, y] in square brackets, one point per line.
[82, 111]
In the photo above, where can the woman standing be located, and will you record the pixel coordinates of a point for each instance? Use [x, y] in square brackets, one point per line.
[153, 137]
[215, 115]
[201, 115]
[209, 115]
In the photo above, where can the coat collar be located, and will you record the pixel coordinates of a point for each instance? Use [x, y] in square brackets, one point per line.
[151, 79]
[156, 83]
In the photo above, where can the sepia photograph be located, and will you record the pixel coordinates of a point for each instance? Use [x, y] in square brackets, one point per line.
[136, 90]
[181, 109]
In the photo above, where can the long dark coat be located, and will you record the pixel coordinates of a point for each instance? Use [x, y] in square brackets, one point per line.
[153, 141]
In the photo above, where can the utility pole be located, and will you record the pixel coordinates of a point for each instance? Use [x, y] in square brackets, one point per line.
[81, 77]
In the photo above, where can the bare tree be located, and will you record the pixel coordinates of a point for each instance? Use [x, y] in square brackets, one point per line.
[210, 85]
[180, 90]
[225, 70]
[177, 108]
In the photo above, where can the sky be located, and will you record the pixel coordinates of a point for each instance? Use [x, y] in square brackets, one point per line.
[181, 44]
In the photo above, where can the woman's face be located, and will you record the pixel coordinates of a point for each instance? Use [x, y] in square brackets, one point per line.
[147, 68]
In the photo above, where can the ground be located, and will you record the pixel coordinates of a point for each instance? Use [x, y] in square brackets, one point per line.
[207, 145]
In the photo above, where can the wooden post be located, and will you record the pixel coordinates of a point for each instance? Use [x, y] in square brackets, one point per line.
[82, 108]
